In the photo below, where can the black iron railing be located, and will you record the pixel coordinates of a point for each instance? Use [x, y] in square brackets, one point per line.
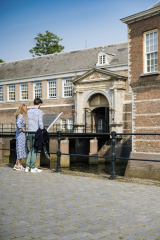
[88, 128]
[84, 128]
[112, 157]
[7, 127]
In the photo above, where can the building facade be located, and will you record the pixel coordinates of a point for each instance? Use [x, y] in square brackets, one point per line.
[89, 86]
[67, 81]
[144, 78]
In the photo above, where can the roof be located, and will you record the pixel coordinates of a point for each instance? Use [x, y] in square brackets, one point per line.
[155, 5]
[63, 62]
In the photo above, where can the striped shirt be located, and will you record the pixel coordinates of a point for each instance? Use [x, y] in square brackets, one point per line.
[35, 119]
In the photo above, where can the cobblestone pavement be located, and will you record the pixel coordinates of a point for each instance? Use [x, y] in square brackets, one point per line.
[58, 206]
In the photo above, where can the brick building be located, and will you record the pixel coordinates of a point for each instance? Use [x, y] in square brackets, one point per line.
[144, 78]
[123, 77]
[92, 81]
[92, 78]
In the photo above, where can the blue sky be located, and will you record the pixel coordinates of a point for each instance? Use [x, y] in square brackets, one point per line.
[79, 23]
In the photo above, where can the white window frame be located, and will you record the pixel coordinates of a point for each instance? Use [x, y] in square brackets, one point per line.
[34, 90]
[103, 59]
[150, 52]
[52, 88]
[21, 91]
[102, 55]
[63, 125]
[63, 82]
[70, 124]
[11, 85]
[1, 93]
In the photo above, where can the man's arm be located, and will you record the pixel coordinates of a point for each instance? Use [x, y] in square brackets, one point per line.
[41, 120]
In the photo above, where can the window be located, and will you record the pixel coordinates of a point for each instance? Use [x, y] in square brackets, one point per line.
[52, 89]
[151, 51]
[1, 93]
[102, 59]
[11, 93]
[24, 91]
[37, 90]
[63, 123]
[67, 88]
[70, 123]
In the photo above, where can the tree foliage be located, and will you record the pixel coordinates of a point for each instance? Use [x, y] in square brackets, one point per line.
[1, 61]
[46, 44]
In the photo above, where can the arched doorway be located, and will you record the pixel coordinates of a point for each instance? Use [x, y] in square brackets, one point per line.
[100, 119]
[99, 107]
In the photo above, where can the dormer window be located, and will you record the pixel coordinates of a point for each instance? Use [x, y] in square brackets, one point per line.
[104, 58]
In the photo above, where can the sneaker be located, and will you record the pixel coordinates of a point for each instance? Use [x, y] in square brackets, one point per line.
[15, 167]
[35, 170]
[27, 169]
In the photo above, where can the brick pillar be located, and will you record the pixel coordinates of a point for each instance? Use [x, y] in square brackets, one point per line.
[43, 90]
[17, 92]
[5, 93]
[65, 159]
[53, 146]
[38, 160]
[8, 156]
[93, 151]
[30, 91]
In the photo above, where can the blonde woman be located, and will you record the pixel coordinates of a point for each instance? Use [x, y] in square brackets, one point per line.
[21, 144]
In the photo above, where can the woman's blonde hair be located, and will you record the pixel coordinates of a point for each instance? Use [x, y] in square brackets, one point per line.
[21, 110]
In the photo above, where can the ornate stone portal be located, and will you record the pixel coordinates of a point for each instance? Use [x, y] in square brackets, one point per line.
[99, 97]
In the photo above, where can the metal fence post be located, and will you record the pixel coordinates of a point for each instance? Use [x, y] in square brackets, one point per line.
[58, 169]
[113, 171]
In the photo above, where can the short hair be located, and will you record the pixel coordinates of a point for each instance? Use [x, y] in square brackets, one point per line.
[37, 101]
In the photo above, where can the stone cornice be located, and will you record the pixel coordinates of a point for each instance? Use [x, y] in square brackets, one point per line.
[145, 84]
[149, 74]
[106, 72]
[142, 15]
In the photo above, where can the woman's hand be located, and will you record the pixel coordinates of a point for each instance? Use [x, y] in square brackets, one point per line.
[25, 131]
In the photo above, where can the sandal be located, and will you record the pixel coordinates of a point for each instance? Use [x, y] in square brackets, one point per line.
[20, 168]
